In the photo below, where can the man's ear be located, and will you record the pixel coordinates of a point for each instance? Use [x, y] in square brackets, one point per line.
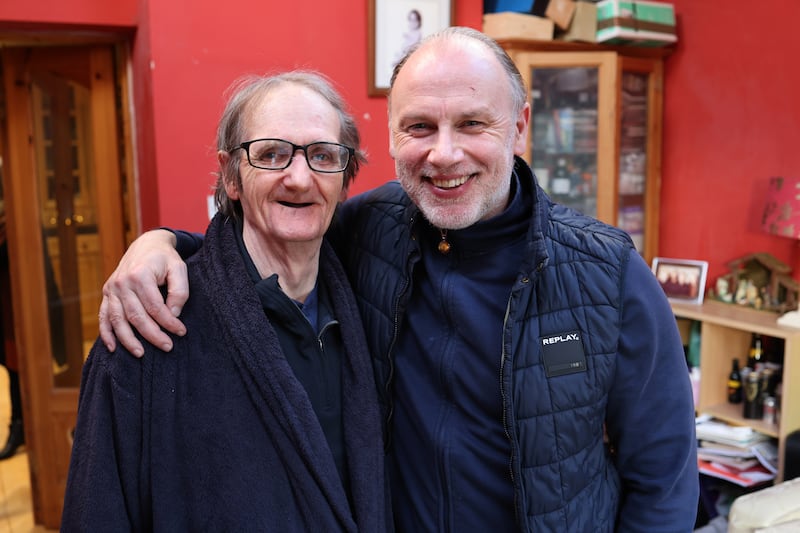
[391, 144]
[231, 189]
[521, 130]
[222, 158]
[391, 130]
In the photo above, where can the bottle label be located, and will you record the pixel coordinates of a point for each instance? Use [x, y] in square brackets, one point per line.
[752, 390]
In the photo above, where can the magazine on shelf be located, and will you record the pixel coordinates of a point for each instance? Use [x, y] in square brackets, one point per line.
[747, 477]
[767, 454]
[730, 461]
[735, 453]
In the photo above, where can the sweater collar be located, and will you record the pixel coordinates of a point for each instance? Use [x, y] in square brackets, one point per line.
[269, 287]
[487, 236]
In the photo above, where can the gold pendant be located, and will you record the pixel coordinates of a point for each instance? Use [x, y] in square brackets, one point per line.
[444, 246]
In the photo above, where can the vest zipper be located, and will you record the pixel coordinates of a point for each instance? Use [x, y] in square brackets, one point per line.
[506, 405]
[411, 260]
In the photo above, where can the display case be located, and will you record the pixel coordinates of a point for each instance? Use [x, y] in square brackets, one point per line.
[595, 138]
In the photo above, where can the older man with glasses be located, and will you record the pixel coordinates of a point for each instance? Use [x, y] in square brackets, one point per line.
[265, 417]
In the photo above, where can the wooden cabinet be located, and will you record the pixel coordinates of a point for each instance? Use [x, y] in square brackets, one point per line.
[595, 138]
[725, 334]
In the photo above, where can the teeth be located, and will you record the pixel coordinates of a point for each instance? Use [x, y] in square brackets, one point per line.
[449, 184]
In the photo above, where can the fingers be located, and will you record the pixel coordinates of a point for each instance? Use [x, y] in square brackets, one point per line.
[106, 331]
[144, 310]
[114, 325]
[122, 310]
[132, 301]
[177, 292]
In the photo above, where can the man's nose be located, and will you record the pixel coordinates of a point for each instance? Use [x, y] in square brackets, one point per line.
[299, 173]
[446, 149]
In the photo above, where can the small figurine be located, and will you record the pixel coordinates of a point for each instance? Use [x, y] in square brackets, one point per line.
[741, 292]
[723, 290]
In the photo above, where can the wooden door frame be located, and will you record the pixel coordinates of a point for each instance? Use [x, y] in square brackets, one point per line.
[50, 411]
[27, 271]
[654, 70]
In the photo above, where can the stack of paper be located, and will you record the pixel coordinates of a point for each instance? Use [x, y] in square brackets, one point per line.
[736, 453]
[722, 433]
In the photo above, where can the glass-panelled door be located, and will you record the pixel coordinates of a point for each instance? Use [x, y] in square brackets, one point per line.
[64, 209]
[573, 127]
[595, 135]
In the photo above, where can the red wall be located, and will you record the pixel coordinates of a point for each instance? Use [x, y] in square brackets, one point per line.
[77, 12]
[731, 116]
[195, 56]
[731, 120]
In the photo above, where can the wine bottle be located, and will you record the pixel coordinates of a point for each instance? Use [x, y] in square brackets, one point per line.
[754, 359]
[735, 384]
[560, 185]
[753, 405]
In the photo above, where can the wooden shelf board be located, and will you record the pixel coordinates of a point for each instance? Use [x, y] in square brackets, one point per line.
[732, 414]
[734, 316]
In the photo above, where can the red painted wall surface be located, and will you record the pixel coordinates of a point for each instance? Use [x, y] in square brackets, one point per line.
[731, 116]
[73, 12]
[186, 53]
[731, 120]
[197, 51]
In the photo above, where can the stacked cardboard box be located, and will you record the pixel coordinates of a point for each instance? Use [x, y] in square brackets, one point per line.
[583, 27]
[639, 22]
[527, 19]
[509, 25]
[561, 12]
[618, 22]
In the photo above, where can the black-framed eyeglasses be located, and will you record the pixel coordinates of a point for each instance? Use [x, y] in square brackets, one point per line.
[277, 154]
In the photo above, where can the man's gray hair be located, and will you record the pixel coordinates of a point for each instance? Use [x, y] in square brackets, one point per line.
[453, 33]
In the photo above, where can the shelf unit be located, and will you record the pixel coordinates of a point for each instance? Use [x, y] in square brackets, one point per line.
[725, 334]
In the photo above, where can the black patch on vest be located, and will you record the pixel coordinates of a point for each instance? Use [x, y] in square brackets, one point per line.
[563, 354]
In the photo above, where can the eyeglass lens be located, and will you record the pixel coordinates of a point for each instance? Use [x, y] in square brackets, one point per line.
[276, 154]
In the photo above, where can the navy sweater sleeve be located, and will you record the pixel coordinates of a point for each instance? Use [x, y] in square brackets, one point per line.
[187, 244]
[650, 418]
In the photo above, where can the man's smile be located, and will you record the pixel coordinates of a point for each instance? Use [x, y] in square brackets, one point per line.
[449, 183]
[294, 205]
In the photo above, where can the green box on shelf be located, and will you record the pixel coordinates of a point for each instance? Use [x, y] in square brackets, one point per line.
[642, 23]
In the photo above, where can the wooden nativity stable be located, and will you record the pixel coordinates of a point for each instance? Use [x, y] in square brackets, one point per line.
[758, 280]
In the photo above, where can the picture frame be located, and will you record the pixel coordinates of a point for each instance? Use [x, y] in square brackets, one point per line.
[683, 280]
[394, 25]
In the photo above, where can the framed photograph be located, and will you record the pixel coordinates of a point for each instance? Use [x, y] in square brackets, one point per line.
[396, 25]
[683, 280]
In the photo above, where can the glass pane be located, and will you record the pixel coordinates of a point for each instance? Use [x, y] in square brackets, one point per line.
[564, 134]
[67, 203]
[633, 156]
